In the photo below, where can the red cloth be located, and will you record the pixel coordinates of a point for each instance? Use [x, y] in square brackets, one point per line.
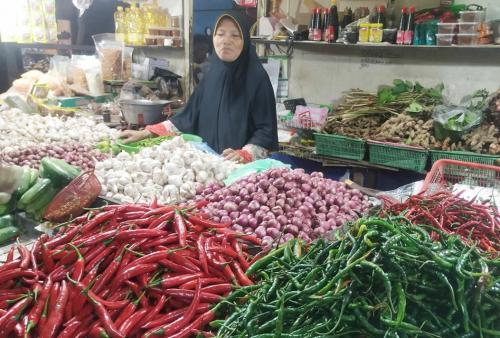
[247, 157]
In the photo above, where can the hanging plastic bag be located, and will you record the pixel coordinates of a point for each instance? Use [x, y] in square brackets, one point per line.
[82, 5]
[254, 168]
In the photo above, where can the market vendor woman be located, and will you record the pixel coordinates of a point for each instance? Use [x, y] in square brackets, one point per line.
[233, 108]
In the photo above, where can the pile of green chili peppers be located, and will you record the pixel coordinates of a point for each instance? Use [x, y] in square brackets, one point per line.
[384, 278]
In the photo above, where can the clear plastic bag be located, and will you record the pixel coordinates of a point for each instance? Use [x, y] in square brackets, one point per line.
[402, 193]
[110, 52]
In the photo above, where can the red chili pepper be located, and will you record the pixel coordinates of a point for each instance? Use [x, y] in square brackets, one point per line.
[100, 257]
[109, 272]
[15, 273]
[159, 211]
[55, 318]
[32, 253]
[97, 238]
[140, 233]
[179, 259]
[36, 311]
[9, 320]
[48, 262]
[175, 326]
[126, 313]
[153, 257]
[233, 234]
[98, 332]
[10, 255]
[77, 273]
[25, 256]
[240, 275]
[175, 267]
[218, 289]
[173, 315]
[180, 228]
[172, 281]
[106, 320]
[195, 325]
[225, 251]
[64, 239]
[189, 294]
[70, 330]
[10, 265]
[159, 222]
[200, 245]
[133, 321]
[20, 327]
[133, 272]
[152, 313]
[206, 223]
[80, 299]
[241, 258]
[170, 239]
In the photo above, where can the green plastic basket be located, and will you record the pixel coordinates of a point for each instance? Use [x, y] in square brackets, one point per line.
[340, 146]
[463, 156]
[398, 156]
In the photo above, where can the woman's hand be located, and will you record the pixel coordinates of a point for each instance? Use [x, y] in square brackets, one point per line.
[239, 155]
[134, 135]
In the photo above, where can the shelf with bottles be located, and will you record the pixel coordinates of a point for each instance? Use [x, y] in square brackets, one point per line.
[338, 45]
[148, 26]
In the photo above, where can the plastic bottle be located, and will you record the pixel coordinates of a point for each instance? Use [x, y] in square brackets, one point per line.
[134, 26]
[410, 27]
[381, 15]
[402, 26]
[334, 14]
[119, 23]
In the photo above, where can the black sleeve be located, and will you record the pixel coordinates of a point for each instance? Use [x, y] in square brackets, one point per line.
[264, 118]
[187, 120]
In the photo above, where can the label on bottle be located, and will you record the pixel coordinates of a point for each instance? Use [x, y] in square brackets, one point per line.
[408, 38]
[329, 34]
[400, 38]
[317, 34]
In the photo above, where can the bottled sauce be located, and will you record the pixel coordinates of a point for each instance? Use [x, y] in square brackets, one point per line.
[317, 32]
[391, 16]
[381, 15]
[402, 26]
[410, 27]
[325, 24]
[311, 25]
[334, 14]
[348, 18]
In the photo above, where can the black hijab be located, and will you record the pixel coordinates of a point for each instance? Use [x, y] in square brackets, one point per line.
[234, 104]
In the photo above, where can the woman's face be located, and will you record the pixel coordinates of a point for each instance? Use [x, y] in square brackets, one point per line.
[228, 41]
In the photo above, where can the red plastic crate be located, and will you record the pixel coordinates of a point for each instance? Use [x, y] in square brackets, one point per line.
[445, 173]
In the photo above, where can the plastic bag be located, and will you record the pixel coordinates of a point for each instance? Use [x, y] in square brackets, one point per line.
[402, 193]
[254, 168]
[110, 52]
[310, 117]
[456, 121]
[82, 5]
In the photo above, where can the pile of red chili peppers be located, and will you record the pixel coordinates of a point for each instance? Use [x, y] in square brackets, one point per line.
[123, 271]
[474, 222]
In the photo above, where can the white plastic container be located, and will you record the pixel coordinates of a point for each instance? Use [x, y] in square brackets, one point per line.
[445, 39]
[447, 27]
[468, 27]
[473, 16]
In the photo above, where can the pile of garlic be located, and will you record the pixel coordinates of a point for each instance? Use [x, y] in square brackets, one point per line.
[19, 130]
[171, 171]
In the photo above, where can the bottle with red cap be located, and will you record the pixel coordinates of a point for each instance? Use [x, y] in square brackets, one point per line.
[311, 25]
[410, 27]
[400, 39]
[381, 15]
[317, 31]
[326, 23]
[334, 18]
